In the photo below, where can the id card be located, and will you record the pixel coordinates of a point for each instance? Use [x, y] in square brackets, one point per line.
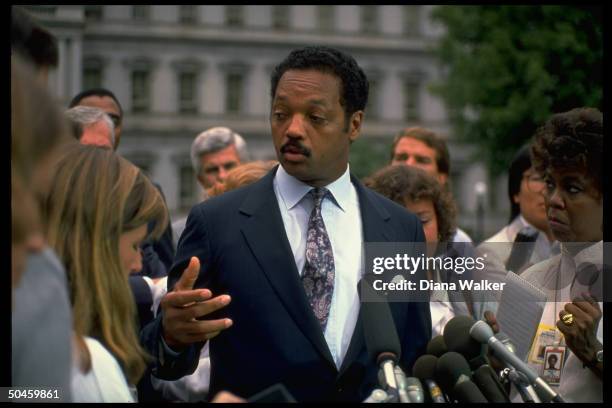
[554, 360]
[545, 336]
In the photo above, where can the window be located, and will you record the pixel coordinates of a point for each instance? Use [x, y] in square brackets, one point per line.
[326, 18]
[140, 91]
[234, 16]
[369, 19]
[188, 102]
[233, 99]
[93, 12]
[186, 186]
[92, 72]
[188, 14]
[411, 20]
[280, 17]
[141, 13]
[92, 77]
[411, 100]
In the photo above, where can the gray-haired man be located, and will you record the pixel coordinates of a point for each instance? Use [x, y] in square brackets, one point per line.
[92, 126]
[214, 153]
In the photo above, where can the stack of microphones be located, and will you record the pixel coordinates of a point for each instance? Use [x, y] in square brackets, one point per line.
[456, 367]
[384, 346]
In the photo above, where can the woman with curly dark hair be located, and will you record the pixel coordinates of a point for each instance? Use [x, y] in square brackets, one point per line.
[568, 151]
[422, 194]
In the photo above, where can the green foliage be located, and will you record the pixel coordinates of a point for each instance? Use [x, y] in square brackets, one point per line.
[368, 155]
[510, 67]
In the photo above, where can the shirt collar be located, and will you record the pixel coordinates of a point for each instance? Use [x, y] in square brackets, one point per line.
[293, 190]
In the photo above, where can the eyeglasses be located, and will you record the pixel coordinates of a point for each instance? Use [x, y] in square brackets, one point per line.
[535, 182]
[115, 118]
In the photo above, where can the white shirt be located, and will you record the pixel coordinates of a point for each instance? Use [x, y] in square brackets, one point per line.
[578, 384]
[440, 308]
[461, 236]
[190, 388]
[105, 382]
[342, 218]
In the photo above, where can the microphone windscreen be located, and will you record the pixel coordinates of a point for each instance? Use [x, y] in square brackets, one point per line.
[437, 346]
[378, 325]
[425, 367]
[488, 383]
[449, 368]
[468, 392]
[457, 337]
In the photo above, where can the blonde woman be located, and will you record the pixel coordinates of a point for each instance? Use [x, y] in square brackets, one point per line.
[98, 209]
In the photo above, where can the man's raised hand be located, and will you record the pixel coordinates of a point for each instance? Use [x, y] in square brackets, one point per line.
[182, 307]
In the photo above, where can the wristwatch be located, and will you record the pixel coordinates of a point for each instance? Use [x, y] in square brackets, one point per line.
[598, 358]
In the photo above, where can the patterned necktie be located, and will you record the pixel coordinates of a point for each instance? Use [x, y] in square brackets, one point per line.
[318, 274]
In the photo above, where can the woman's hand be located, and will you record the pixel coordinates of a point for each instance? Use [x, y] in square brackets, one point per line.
[581, 333]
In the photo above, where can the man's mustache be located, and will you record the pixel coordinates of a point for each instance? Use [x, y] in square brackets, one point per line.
[296, 147]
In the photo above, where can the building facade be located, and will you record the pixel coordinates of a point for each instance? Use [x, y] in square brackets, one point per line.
[178, 70]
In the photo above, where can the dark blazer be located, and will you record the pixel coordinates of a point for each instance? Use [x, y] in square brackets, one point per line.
[240, 240]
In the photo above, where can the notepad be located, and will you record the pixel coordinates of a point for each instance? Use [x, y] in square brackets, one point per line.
[520, 311]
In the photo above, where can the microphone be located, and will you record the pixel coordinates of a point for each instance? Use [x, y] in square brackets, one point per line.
[424, 369]
[481, 332]
[454, 376]
[436, 346]
[458, 339]
[415, 390]
[380, 334]
[488, 382]
[377, 396]
[518, 379]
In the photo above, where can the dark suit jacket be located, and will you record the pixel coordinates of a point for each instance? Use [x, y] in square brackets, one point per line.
[240, 240]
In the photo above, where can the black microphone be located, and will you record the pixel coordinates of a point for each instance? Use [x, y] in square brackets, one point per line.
[437, 346]
[481, 332]
[458, 339]
[424, 369]
[488, 382]
[380, 334]
[454, 376]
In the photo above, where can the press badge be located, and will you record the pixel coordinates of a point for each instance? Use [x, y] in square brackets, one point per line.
[554, 360]
[545, 336]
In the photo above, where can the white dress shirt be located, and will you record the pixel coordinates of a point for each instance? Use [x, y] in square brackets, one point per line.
[342, 218]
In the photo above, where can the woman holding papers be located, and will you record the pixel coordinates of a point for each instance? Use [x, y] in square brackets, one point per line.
[568, 151]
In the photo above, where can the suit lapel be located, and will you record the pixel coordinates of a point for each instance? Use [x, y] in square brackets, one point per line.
[375, 224]
[264, 232]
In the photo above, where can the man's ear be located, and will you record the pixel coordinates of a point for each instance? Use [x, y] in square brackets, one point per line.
[355, 125]
[515, 198]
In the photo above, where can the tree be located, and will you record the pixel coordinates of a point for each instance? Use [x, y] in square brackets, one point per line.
[508, 68]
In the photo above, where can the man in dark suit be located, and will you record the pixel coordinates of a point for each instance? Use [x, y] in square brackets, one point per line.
[285, 255]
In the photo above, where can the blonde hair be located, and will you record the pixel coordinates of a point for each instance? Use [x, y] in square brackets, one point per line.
[96, 196]
[241, 176]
